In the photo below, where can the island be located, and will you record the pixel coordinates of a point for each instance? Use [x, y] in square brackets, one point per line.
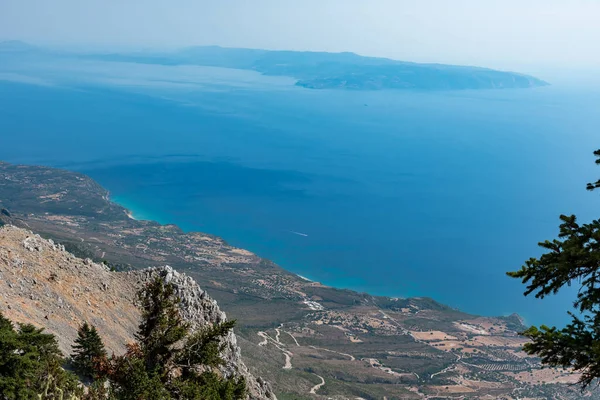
[312, 70]
[321, 70]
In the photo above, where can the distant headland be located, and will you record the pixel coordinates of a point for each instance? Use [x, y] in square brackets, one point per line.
[313, 70]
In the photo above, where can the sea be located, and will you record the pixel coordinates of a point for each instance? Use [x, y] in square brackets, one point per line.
[394, 193]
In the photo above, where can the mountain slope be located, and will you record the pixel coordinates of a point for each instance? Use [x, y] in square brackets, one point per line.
[42, 284]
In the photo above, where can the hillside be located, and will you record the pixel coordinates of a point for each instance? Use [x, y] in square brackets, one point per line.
[44, 285]
[307, 339]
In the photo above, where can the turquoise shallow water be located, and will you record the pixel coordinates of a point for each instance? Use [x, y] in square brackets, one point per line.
[394, 193]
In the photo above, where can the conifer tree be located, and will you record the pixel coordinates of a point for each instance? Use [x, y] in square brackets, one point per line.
[573, 258]
[205, 347]
[595, 185]
[31, 365]
[87, 351]
[161, 326]
[167, 362]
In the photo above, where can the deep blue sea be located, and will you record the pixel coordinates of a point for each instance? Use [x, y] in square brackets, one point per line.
[392, 193]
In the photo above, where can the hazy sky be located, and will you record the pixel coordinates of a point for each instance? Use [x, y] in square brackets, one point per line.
[495, 33]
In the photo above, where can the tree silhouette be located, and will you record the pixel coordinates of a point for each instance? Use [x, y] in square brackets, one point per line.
[572, 258]
[87, 351]
[31, 365]
[167, 362]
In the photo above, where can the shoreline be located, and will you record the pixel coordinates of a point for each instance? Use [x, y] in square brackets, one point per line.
[136, 215]
[131, 214]
[141, 216]
[306, 279]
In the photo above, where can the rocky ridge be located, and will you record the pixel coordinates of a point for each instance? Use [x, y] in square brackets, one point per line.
[43, 284]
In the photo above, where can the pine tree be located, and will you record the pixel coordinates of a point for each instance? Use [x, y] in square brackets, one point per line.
[573, 258]
[31, 364]
[161, 326]
[130, 378]
[87, 351]
[595, 185]
[167, 362]
[204, 347]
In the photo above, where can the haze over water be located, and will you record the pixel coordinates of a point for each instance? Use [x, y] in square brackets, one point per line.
[393, 193]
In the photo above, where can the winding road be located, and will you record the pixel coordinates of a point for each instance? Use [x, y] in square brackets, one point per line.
[317, 387]
[350, 356]
[287, 354]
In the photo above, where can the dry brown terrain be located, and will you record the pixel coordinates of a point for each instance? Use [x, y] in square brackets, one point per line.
[40, 281]
[44, 285]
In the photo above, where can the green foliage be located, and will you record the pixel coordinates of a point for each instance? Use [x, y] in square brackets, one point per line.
[204, 347]
[572, 258]
[209, 385]
[161, 326]
[30, 365]
[87, 351]
[97, 391]
[168, 362]
[130, 378]
[596, 185]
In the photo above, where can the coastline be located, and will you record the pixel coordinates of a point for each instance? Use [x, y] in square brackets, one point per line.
[86, 191]
[134, 212]
[305, 278]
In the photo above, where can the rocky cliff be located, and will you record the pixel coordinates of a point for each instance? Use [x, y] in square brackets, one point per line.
[42, 284]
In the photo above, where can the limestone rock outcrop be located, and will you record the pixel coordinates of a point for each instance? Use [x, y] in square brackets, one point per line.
[43, 284]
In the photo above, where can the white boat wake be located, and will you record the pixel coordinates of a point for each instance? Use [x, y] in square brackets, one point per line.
[299, 233]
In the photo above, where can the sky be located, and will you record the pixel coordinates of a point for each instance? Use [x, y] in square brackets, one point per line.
[508, 34]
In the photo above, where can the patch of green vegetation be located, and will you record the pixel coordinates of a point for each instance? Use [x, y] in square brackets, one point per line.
[31, 365]
[574, 257]
[155, 367]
